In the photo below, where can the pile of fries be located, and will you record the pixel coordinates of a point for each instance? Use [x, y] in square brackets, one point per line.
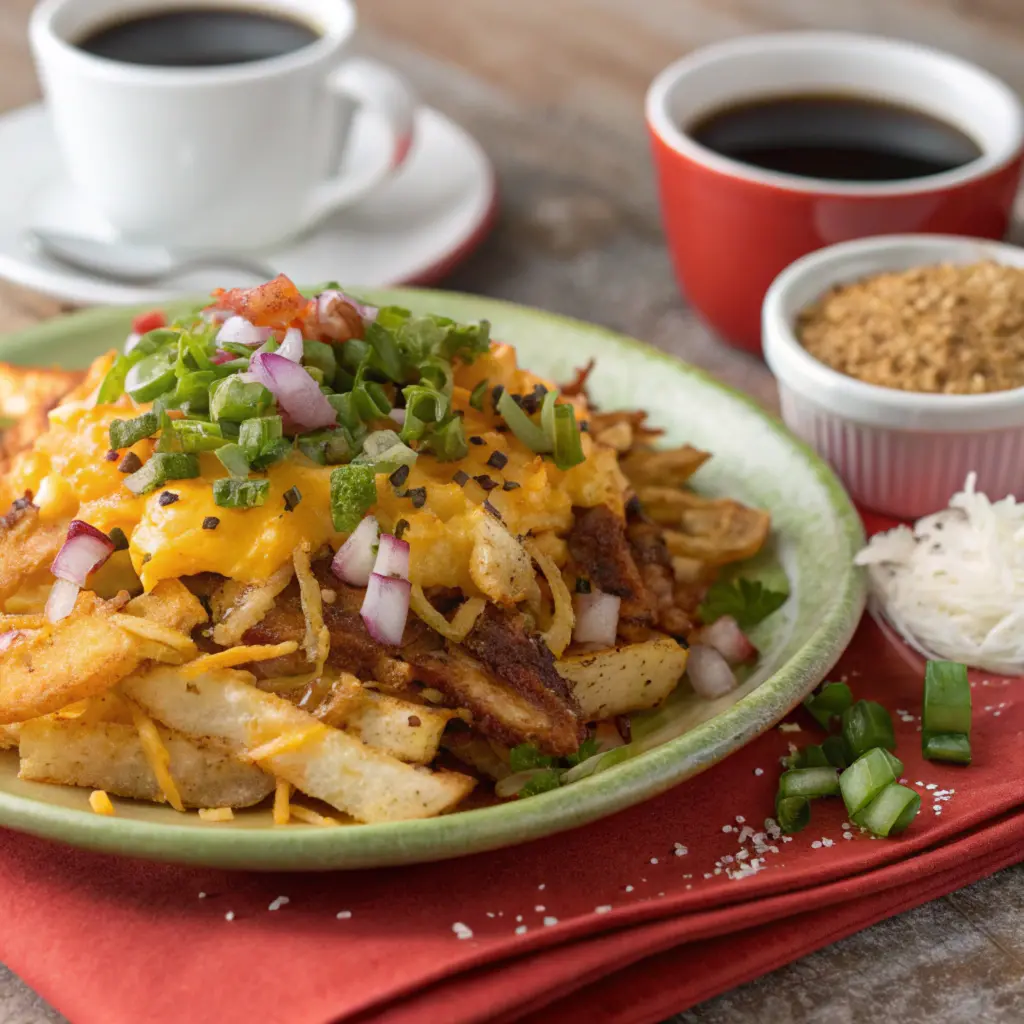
[215, 693]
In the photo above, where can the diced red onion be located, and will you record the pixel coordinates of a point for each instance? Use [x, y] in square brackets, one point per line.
[326, 299]
[398, 415]
[291, 345]
[83, 552]
[597, 618]
[219, 358]
[298, 395]
[354, 561]
[386, 608]
[392, 557]
[728, 639]
[608, 736]
[7, 639]
[131, 341]
[61, 602]
[710, 675]
[238, 330]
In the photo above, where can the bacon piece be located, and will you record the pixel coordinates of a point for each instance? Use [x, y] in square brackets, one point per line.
[278, 303]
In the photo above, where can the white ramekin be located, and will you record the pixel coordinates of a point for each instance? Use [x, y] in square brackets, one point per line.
[898, 452]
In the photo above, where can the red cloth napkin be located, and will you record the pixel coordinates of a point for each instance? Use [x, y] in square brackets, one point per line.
[626, 920]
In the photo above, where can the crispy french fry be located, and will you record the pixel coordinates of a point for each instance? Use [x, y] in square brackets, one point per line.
[331, 765]
[110, 756]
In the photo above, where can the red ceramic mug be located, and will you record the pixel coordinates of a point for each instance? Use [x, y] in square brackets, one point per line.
[732, 227]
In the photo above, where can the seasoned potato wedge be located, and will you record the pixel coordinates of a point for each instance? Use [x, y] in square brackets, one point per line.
[27, 394]
[26, 545]
[9, 736]
[671, 467]
[109, 756]
[323, 762]
[626, 678]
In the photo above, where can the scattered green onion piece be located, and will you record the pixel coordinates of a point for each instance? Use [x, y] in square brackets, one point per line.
[235, 400]
[112, 386]
[197, 436]
[834, 750]
[161, 467]
[867, 724]
[522, 426]
[438, 374]
[894, 763]
[150, 378]
[254, 434]
[793, 813]
[947, 746]
[815, 757]
[344, 406]
[385, 452]
[194, 389]
[828, 703]
[232, 493]
[424, 407]
[891, 811]
[326, 447]
[865, 779]
[447, 440]
[809, 783]
[370, 401]
[385, 355]
[353, 354]
[567, 444]
[477, 396]
[947, 699]
[125, 433]
[232, 458]
[319, 355]
[353, 494]
[273, 451]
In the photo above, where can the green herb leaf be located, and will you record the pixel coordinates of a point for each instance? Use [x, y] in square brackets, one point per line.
[588, 748]
[747, 601]
[525, 756]
[353, 494]
[542, 782]
[477, 396]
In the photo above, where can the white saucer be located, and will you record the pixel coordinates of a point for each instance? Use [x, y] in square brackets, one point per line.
[412, 230]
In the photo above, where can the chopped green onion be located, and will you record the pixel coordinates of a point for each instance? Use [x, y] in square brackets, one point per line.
[867, 724]
[197, 436]
[522, 426]
[438, 374]
[447, 440]
[344, 406]
[865, 779]
[231, 493]
[125, 433]
[150, 378]
[424, 407]
[232, 458]
[891, 811]
[320, 355]
[353, 494]
[568, 448]
[385, 452]
[254, 434]
[894, 763]
[235, 400]
[814, 757]
[384, 354]
[828, 703]
[947, 746]
[477, 396]
[161, 467]
[112, 386]
[273, 451]
[809, 783]
[194, 390]
[835, 750]
[947, 699]
[326, 447]
[792, 813]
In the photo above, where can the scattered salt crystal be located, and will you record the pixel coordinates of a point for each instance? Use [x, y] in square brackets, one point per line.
[490, 913]
[654, 860]
[462, 931]
[541, 887]
[707, 874]
[740, 820]
[847, 835]
[540, 908]
[202, 895]
[343, 915]
[229, 916]
[742, 854]
[931, 785]
[549, 921]
[789, 727]
[759, 771]
[603, 909]
[629, 888]
[826, 842]
[816, 845]
[845, 824]
[680, 850]
[728, 828]
[521, 930]
[519, 917]
[278, 903]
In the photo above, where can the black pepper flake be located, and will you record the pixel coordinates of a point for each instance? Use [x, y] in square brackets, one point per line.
[147, 558]
[22, 503]
[211, 523]
[415, 720]
[461, 478]
[583, 585]
[477, 439]
[113, 455]
[584, 426]
[491, 510]
[633, 506]
[510, 485]
[682, 641]
[118, 539]
[400, 527]
[498, 460]
[167, 498]
[418, 496]
[131, 463]
[399, 476]
[531, 403]
[496, 392]
[486, 482]
[292, 497]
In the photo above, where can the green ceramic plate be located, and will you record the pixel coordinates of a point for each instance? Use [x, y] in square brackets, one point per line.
[816, 533]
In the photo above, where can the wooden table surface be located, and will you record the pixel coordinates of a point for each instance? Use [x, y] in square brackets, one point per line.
[553, 89]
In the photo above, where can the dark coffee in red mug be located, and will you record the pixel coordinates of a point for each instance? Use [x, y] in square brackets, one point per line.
[932, 143]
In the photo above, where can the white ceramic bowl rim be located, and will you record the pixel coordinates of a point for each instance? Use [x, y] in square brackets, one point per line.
[812, 275]
[952, 89]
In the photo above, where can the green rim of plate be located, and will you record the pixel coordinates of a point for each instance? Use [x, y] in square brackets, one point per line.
[77, 338]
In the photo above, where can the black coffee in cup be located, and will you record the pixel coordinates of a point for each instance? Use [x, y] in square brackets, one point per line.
[199, 37]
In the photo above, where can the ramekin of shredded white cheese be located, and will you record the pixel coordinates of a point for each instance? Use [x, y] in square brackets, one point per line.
[953, 585]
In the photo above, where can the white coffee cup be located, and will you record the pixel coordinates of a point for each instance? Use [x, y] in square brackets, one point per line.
[235, 156]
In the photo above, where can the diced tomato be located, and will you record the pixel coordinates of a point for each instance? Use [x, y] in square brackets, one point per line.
[149, 322]
[278, 303]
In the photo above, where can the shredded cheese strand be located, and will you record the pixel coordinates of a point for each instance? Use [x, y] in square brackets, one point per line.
[559, 633]
[462, 622]
[317, 641]
[285, 743]
[251, 607]
[216, 814]
[100, 803]
[304, 814]
[282, 802]
[235, 656]
[148, 630]
[156, 754]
